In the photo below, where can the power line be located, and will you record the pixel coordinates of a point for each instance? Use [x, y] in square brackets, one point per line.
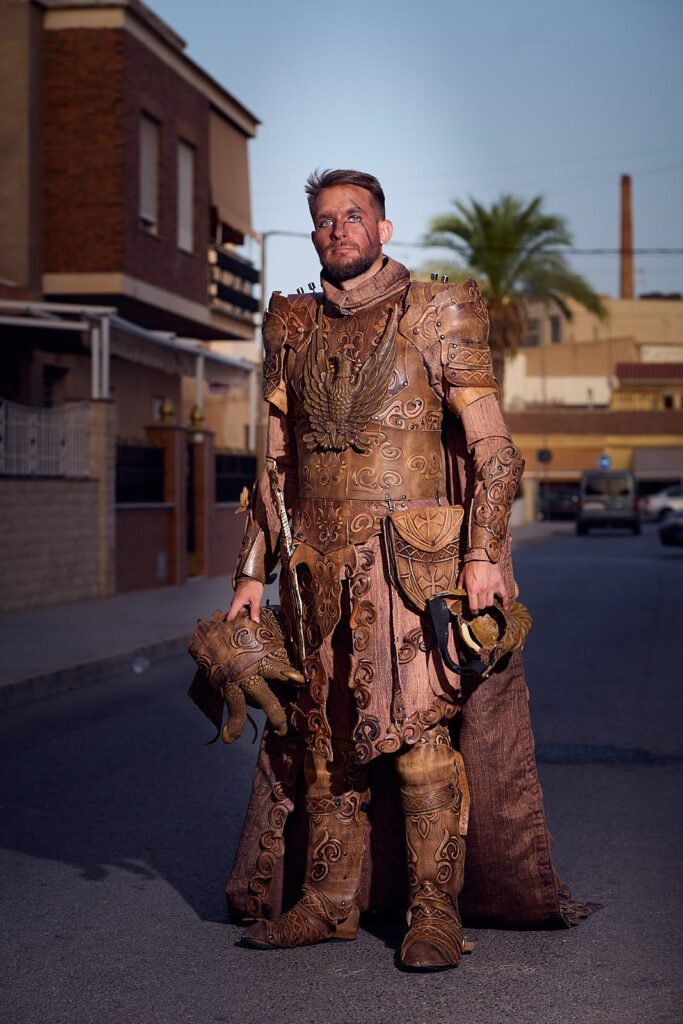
[465, 250]
[550, 252]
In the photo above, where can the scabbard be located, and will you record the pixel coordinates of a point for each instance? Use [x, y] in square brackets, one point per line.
[290, 576]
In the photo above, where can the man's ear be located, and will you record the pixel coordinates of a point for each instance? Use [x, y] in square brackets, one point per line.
[386, 230]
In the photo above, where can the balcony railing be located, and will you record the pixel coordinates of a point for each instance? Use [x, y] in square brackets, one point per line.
[44, 442]
[231, 279]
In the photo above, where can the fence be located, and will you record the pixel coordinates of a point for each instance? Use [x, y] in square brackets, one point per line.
[233, 472]
[43, 442]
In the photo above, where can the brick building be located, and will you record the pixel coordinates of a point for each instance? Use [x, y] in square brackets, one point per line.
[124, 212]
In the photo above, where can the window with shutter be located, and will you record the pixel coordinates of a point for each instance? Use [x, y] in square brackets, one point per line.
[149, 173]
[185, 197]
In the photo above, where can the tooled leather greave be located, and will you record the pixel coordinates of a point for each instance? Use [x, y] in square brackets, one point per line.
[336, 804]
[434, 800]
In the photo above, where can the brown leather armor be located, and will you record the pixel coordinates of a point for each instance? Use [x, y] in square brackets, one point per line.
[359, 385]
[351, 445]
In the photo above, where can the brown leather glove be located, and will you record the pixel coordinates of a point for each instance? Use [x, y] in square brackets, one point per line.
[235, 659]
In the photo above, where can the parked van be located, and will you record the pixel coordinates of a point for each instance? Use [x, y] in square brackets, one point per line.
[607, 498]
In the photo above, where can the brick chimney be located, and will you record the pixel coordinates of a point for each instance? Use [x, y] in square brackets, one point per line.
[626, 245]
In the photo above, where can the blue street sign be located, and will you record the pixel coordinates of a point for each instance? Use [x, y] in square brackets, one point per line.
[604, 461]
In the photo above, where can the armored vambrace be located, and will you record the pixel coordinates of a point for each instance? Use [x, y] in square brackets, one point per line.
[253, 555]
[260, 544]
[496, 486]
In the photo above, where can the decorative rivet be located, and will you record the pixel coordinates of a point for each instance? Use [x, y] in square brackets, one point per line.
[438, 323]
[442, 337]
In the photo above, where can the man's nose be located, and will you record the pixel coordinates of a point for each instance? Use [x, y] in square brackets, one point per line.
[338, 229]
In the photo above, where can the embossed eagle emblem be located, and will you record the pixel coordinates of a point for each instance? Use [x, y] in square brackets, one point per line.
[339, 396]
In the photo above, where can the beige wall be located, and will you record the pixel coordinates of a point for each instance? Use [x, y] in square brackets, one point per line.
[226, 409]
[644, 397]
[571, 373]
[580, 369]
[642, 320]
[134, 389]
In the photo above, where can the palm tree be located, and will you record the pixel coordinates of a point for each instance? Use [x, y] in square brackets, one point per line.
[514, 249]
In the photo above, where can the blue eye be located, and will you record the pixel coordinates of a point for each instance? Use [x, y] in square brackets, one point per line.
[325, 223]
[354, 217]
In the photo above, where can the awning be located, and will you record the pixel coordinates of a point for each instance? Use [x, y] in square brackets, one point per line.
[656, 462]
[170, 355]
[229, 167]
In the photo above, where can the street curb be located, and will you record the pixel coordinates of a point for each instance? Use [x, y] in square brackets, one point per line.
[24, 691]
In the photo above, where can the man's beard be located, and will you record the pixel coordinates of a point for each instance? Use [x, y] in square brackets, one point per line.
[346, 271]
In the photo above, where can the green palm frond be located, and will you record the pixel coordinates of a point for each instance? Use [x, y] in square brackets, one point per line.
[514, 249]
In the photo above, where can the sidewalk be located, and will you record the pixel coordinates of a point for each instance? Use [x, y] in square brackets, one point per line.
[58, 647]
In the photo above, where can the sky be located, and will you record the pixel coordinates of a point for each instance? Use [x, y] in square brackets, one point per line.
[445, 101]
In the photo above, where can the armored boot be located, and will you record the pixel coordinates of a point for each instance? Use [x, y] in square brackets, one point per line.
[435, 803]
[337, 816]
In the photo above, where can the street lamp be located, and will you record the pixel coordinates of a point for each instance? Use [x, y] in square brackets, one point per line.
[263, 239]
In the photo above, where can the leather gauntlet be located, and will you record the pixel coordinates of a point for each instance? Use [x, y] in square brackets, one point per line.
[251, 561]
[496, 486]
[259, 551]
[238, 661]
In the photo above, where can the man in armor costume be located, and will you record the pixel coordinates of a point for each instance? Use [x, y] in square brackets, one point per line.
[388, 448]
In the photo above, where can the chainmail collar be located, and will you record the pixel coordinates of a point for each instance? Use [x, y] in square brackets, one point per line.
[389, 279]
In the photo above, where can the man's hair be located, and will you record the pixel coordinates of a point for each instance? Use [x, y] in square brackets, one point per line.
[319, 180]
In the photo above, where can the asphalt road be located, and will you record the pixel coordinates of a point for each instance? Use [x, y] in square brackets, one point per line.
[118, 826]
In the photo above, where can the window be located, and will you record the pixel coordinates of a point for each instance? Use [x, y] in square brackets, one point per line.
[185, 197]
[555, 330]
[149, 173]
[533, 337]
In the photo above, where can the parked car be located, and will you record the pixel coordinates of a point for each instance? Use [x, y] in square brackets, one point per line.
[671, 530]
[658, 506]
[557, 501]
[607, 498]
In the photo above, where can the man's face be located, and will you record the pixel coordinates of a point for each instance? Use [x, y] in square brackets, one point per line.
[347, 235]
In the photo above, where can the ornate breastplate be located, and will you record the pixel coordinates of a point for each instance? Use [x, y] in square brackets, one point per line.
[368, 424]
